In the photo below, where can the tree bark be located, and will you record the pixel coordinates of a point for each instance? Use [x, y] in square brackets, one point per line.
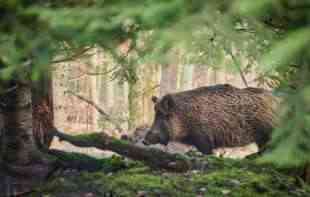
[18, 133]
[150, 156]
[22, 165]
[43, 115]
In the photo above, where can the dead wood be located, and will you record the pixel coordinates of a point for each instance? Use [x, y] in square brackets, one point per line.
[152, 157]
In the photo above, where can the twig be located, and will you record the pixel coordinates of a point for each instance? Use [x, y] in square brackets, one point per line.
[239, 69]
[145, 91]
[72, 57]
[83, 73]
[99, 73]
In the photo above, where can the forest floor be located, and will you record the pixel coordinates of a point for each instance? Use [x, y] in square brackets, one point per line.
[121, 177]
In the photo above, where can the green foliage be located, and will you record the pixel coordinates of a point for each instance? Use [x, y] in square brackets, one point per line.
[290, 48]
[39, 30]
[287, 62]
[50, 28]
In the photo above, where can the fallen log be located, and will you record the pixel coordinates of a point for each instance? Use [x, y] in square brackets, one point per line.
[152, 157]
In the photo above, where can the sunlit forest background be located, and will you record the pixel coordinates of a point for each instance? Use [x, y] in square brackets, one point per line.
[129, 106]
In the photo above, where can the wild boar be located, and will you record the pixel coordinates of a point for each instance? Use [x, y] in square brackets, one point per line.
[214, 116]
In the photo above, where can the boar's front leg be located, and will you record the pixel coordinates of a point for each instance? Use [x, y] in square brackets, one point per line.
[202, 143]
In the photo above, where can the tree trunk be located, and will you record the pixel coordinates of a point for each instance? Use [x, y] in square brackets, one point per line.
[169, 79]
[43, 116]
[133, 104]
[187, 77]
[200, 77]
[22, 164]
[18, 134]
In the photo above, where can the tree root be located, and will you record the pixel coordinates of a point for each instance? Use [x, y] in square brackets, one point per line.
[18, 180]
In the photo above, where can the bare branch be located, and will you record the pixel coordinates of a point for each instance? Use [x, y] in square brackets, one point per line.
[99, 73]
[77, 54]
[239, 69]
[99, 109]
[145, 91]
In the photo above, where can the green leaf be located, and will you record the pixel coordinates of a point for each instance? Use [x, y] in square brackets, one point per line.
[252, 8]
[286, 50]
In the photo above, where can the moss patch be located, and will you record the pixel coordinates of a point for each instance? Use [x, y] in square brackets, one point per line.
[222, 177]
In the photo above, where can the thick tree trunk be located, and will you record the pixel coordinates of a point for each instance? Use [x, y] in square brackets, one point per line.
[18, 136]
[22, 164]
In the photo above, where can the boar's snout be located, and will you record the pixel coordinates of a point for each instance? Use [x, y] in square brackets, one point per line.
[145, 142]
[151, 137]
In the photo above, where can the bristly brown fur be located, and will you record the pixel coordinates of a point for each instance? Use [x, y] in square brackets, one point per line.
[222, 116]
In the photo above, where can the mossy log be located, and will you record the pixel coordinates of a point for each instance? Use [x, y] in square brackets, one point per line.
[150, 156]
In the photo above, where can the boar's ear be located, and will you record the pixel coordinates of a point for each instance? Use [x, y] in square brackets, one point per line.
[154, 99]
[168, 103]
